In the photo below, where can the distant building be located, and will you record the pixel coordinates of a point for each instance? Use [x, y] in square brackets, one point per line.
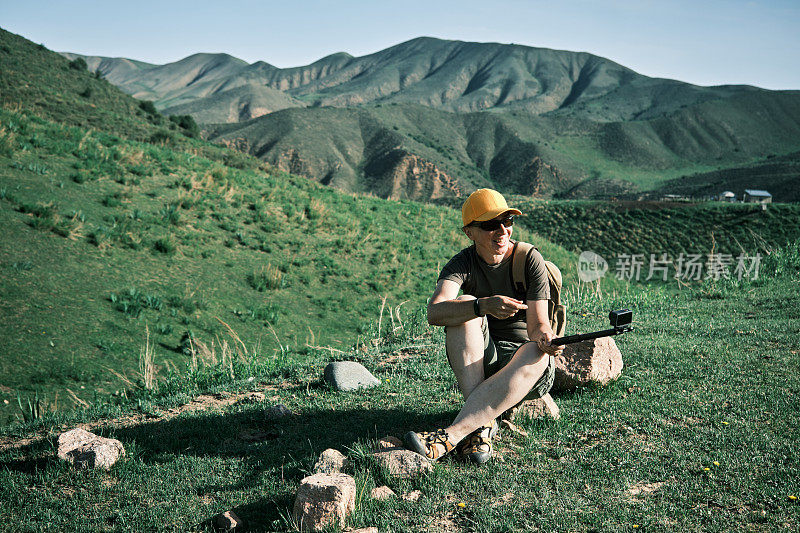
[755, 196]
[727, 196]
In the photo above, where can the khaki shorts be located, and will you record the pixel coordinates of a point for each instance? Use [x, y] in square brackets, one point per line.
[497, 354]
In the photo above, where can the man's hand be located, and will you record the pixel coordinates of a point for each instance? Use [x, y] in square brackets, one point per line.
[543, 338]
[501, 306]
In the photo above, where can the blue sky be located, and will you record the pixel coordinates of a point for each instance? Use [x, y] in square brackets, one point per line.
[703, 42]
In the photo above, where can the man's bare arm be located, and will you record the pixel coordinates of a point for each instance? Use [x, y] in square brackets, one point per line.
[539, 329]
[446, 309]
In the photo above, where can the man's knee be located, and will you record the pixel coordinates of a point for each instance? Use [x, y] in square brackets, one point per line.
[531, 362]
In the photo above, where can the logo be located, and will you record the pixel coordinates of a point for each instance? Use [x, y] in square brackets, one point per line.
[591, 266]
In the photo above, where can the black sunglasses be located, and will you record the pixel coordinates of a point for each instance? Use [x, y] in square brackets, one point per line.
[494, 224]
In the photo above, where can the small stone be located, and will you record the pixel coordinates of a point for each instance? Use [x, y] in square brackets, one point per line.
[513, 427]
[87, 450]
[403, 463]
[389, 442]
[349, 376]
[412, 496]
[276, 412]
[381, 493]
[364, 530]
[544, 407]
[229, 522]
[330, 461]
[323, 500]
[592, 361]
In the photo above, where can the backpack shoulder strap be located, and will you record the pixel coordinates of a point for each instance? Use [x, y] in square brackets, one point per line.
[518, 278]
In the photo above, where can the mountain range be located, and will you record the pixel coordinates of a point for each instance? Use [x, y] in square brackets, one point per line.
[430, 118]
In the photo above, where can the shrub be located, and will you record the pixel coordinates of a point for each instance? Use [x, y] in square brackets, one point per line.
[266, 278]
[148, 107]
[8, 143]
[162, 137]
[187, 124]
[112, 200]
[165, 245]
[171, 214]
[78, 64]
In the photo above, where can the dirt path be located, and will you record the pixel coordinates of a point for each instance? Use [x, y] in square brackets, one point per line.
[204, 402]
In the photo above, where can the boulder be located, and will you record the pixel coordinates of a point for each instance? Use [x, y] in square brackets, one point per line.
[403, 463]
[381, 493]
[323, 500]
[330, 461]
[543, 407]
[593, 361]
[87, 450]
[349, 376]
[228, 522]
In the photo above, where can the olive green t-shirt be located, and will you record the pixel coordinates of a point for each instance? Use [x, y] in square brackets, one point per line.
[480, 279]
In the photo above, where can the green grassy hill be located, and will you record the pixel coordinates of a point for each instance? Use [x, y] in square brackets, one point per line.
[663, 227]
[36, 79]
[368, 148]
[108, 237]
[776, 174]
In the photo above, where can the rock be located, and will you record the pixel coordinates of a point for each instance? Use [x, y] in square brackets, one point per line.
[412, 496]
[381, 493]
[389, 443]
[364, 530]
[277, 412]
[513, 427]
[403, 463]
[598, 361]
[330, 461]
[87, 450]
[349, 376]
[229, 522]
[543, 407]
[324, 499]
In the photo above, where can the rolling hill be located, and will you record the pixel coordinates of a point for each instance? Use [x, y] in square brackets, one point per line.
[409, 151]
[449, 75]
[430, 118]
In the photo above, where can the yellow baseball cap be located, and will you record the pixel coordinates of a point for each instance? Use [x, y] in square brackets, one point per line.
[483, 205]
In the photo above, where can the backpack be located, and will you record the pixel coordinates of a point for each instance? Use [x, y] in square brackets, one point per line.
[555, 309]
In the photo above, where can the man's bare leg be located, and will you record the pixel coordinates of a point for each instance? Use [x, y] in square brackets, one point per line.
[465, 353]
[500, 392]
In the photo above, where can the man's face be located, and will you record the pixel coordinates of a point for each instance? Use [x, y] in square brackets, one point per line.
[492, 242]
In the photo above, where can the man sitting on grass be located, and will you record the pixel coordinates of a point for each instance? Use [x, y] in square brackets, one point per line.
[488, 331]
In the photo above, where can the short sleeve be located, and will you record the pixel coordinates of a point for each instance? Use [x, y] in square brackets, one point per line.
[538, 283]
[457, 269]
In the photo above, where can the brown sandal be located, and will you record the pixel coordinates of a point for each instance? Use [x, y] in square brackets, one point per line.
[431, 444]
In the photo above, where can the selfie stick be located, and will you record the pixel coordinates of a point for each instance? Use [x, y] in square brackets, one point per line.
[572, 339]
[621, 321]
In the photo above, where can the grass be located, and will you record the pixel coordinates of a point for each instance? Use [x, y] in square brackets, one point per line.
[686, 439]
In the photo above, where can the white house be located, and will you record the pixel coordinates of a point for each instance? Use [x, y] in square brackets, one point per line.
[756, 196]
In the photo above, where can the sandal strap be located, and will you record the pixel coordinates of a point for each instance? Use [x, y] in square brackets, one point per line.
[436, 439]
